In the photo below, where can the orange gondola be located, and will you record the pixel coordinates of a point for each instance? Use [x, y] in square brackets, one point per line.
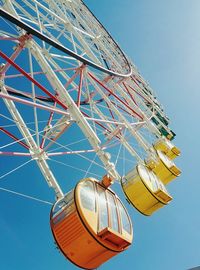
[90, 224]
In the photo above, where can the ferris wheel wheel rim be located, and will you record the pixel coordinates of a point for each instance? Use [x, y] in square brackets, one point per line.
[38, 34]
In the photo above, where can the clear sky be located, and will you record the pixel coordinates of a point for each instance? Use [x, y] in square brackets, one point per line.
[163, 40]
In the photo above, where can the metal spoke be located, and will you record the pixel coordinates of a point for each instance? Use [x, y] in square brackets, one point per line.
[25, 196]
[15, 169]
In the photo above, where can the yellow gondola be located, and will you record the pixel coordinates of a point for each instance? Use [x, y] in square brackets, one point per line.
[144, 190]
[163, 167]
[167, 147]
[90, 224]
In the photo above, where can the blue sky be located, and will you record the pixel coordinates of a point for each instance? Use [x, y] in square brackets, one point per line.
[163, 40]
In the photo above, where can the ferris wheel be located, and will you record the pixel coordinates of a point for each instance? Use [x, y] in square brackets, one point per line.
[70, 97]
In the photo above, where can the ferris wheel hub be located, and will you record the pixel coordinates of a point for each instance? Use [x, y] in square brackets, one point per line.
[38, 154]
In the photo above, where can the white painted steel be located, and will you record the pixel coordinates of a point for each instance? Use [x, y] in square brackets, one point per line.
[88, 38]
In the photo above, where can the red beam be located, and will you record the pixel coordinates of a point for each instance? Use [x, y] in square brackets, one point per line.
[8, 38]
[31, 79]
[130, 93]
[138, 93]
[14, 138]
[117, 105]
[17, 51]
[107, 89]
